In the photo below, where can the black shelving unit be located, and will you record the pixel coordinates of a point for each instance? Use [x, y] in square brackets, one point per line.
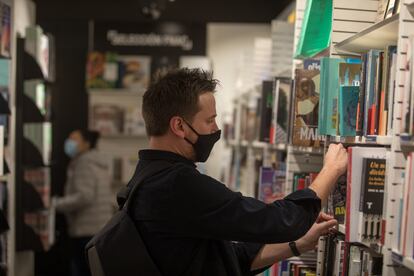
[27, 155]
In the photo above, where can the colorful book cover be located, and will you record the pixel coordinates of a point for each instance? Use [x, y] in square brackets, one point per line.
[348, 104]
[271, 184]
[329, 92]
[312, 64]
[5, 48]
[307, 89]
[339, 200]
[101, 70]
[370, 91]
[134, 72]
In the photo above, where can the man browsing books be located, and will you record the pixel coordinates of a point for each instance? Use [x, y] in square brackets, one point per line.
[194, 225]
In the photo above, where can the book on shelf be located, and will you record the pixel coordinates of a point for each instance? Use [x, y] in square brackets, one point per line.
[134, 123]
[37, 44]
[382, 10]
[40, 180]
[271, 184]
[365, 193]
[5, 29]
[312, 64]
[306, 101]
[338, 200]
[101, 70]
[43, 225]
[407, 112]
[406, 235]
[134, 72]
[302, 180]
[40, 134]
[334, 74]
[108, 119]
[280, 114]
[266, 110]
[348, 108]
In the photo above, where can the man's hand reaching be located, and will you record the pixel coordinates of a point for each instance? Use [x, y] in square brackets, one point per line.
[323, 225]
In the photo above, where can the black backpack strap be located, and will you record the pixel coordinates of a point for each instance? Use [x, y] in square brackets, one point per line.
[128, 192]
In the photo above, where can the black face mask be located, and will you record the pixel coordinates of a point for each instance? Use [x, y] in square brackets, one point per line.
[204, 143]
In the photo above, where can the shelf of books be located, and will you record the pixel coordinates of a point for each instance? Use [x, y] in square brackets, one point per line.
[358, 92]
[116, 85]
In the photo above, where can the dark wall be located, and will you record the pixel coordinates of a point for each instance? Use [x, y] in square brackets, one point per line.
[69, 105]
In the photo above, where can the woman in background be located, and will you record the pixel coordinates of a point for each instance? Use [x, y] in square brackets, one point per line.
[87, 202]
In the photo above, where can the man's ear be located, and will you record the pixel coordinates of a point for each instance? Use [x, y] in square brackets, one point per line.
[177, 126]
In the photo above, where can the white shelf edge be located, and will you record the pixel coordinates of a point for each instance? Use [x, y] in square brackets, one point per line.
[358, 140]
[346, 46]
[408, 263]
[116, 92]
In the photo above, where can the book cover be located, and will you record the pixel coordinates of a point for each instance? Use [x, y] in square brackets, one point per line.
[134, 123]
[5, 36]
[329, 95]
[134, 72]
[271, 184]
[40, 180]
[339, 200]
[280, 114]
[306, 107]
[349, 75]
[312, 64]
[356, 223]
[101, 70]
[348, 105]
[390, 8]
[107, 119]
[373, 182]
[370, 92]
[266, 111]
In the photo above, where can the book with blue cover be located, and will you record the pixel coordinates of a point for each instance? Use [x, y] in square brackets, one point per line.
[328, 95]
[348, 104]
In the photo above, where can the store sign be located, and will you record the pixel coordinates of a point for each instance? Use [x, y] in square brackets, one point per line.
[150, 38]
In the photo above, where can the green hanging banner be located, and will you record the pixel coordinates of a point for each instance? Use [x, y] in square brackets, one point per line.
[316, 28]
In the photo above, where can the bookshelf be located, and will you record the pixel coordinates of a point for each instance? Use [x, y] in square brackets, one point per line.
[114, 108]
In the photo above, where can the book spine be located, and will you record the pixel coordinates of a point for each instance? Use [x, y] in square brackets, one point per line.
[348, 196]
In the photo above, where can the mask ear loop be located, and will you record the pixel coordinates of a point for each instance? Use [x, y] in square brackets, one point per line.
[189, 125]
[185, 138]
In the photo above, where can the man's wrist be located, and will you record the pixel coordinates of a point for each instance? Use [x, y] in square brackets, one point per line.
[301, 246]
[293, 247]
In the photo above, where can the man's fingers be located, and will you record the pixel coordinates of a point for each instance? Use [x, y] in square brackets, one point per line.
[323, 217]
[326, 225]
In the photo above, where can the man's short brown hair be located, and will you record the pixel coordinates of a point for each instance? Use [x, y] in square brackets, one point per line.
[175, 94]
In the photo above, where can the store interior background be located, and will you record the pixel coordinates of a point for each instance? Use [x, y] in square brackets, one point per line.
[230, 30]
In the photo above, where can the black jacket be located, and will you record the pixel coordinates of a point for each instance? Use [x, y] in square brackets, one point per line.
[194, 225]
